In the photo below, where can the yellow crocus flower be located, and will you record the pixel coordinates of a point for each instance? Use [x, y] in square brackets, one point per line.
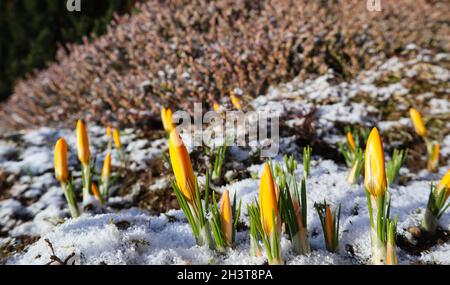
[417, 120]
[433, 160]
[391, 252]
[96, 192]
[329, 226]
[226, 218]
[106, 170]
[166, 117]
[268, 201]
[116, 136]
[444, 185]
[216, 107]
[60, 161]
[84, 153]
[374, 170]
[182, 167]
[236, 101]
[351, 141]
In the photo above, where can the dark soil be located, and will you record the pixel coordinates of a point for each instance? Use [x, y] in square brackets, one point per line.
[6, 182]
[424, 241]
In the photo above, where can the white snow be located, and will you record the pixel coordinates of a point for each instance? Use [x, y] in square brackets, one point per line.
[155, 240]
[438, 255]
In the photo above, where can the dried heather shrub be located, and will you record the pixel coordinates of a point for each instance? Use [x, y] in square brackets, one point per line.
[180, 51]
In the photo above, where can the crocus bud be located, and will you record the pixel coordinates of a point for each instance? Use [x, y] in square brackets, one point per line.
[106, 170]
[116, 136]
[236, 101]
[433, 160]
[96, 192]
[268, 201]
[374, 170]
[329, 226]
[216, 107]
[226, 218]
[84, 154]
[444, 185]
[61, 171]
[351, 141]
[417, 120]
[391, 250]
[182, 167]
[166, 117]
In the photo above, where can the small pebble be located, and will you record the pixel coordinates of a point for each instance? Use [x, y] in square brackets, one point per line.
[416, 232]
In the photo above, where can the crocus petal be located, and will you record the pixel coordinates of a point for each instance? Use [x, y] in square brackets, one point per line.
[329, 226]
[236, 102]
[169, 117]
[444, 184]
[106, 170]
[435, 155]
[96, 192]
[417, 120]
[433, 161]
[163, 118]
[391, 253]
[375, 173]
[117, 141]
[84, 153]
[216, 107]
[60, 160]
[166, 118]
[226, 218]
[268, 200]
[351, 141]
[182, 167]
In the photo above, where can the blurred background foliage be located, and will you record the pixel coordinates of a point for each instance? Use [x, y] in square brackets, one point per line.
[30, 31]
